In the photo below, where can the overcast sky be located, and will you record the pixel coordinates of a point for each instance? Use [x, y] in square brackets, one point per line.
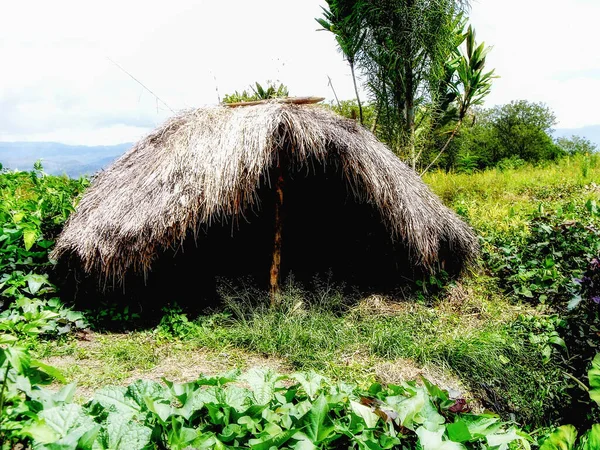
[57, 83]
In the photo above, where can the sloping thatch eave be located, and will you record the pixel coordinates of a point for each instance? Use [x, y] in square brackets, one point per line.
[205, 166]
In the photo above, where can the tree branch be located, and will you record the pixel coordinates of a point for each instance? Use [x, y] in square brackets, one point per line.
[458, 124]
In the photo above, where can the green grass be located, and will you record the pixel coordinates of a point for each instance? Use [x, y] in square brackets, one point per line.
[471, 330]
[471, 335]
[502, 202]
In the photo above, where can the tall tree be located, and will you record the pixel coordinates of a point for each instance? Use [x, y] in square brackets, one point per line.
[409, 54]
[473, 83]
[407, 46]
[343, 19]
[524, 130]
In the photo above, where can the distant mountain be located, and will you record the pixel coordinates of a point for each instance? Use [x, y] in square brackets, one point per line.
[58, 159]
[591, 132]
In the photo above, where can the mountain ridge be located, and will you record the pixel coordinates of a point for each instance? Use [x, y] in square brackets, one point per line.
[58, 158]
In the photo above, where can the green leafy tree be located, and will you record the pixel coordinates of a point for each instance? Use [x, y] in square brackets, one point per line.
[576, 145]
[471, 87]
[350, 110]
[523, 129]
[408, 45]
[415, 74]
[509, 135]
[344, 21]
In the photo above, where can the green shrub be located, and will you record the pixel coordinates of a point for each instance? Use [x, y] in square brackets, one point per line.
[259, 409]
[542, 265]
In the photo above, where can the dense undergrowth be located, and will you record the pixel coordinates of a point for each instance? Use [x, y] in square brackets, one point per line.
[519, 330]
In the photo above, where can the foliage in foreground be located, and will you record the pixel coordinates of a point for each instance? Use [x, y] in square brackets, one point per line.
[33, 208]
[259, 409]
[540, 232]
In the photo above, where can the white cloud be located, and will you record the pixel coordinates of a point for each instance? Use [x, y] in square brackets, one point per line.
[57, 84]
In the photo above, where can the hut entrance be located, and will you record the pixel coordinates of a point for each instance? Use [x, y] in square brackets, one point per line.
[326, 232]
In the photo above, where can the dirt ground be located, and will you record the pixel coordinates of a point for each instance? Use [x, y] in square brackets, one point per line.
[120, 359]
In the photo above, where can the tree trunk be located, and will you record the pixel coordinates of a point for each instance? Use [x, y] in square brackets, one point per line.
[409, 106]
[409, 90]
[334, 93]
[276, 263]
[375, 120]
[360, 111]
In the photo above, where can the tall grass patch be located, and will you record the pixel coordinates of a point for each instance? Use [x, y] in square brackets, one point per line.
[343, 337]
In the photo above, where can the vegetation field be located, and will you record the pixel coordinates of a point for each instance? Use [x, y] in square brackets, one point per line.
[497, 358]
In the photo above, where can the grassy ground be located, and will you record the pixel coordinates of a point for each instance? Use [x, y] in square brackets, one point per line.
[468, 337]
[498, 201]
[464, 341]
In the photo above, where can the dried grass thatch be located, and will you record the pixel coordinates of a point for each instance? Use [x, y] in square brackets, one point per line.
[206, 166]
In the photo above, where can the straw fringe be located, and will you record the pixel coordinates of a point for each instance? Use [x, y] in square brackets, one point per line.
[205, 165]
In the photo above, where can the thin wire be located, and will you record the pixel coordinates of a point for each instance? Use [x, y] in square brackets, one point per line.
[143, 85]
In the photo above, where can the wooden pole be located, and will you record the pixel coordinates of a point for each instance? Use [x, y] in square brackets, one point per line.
[276, 264]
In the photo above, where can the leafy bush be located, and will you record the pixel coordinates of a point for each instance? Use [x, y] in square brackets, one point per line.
[34, 208]
[259, 409]
[20, 392]
[543, 264]
[565, 437]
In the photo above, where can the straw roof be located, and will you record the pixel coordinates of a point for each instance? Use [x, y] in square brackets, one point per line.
[205, 165]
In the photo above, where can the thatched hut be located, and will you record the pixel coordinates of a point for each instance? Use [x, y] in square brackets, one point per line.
[217, 191]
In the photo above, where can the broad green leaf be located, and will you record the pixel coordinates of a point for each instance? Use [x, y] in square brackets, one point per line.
[125, 434]
[501, 440]
[69, 424]
[303, 442]
[29, 238]
[18, 357]
[193, 402]
[481, 425]
[181, 391]
[86, 441]
[17, 217]
[459, 431]
[51, 399]
[434, 391]
[432, 440]
[35, 282]
[113, 397]
[594, 379]
[41, 433]
[236, 397]
[262, 384]
[249, 423]
[316, 423]
[7, 339]
[272, 429]
[407, 408]
[159, 407]
[311, 382]
[592, 438]
[429, 415]
[563, 438]
[365, 413]
[52, 371]
[142, 391]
